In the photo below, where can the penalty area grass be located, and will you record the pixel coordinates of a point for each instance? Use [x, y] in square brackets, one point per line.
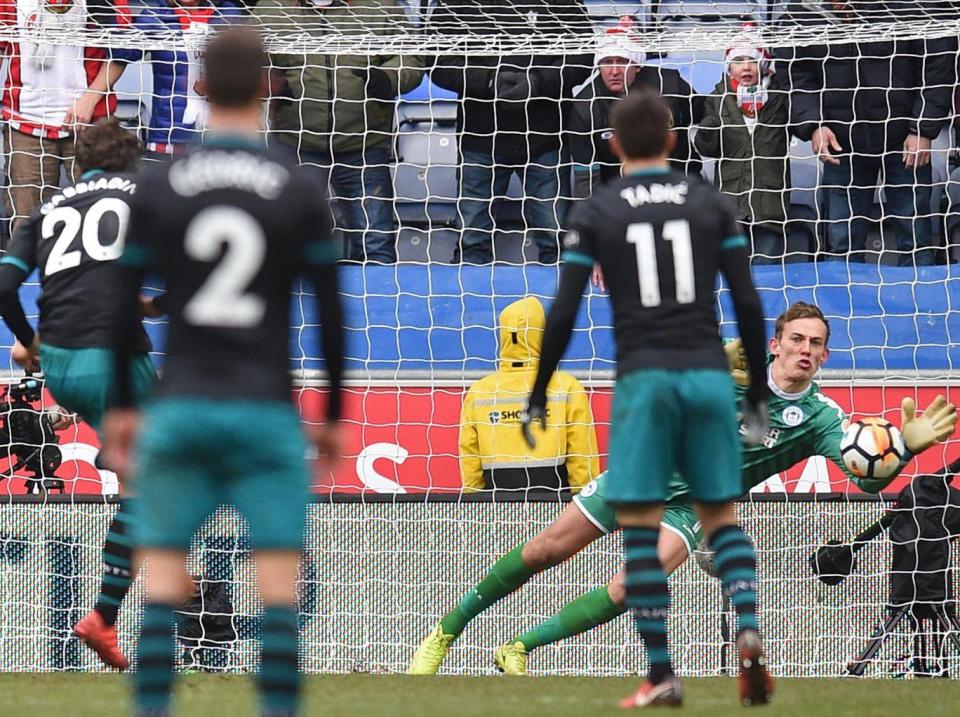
[105, 695]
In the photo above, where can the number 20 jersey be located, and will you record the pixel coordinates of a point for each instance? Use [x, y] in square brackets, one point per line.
[229, 229]
[659, 238]
[74, 238]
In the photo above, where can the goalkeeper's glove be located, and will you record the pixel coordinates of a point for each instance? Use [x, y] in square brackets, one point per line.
[737, 361]
[534, 412]
[934, 426]
[755, 418]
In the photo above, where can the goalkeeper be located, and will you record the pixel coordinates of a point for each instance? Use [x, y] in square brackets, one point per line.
[803, 423]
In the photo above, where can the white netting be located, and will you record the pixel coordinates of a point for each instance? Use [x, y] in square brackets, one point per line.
[421, 332]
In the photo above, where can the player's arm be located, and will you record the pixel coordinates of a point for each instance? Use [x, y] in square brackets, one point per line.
[578, 265]
[735, 265]
[319, 256]
[15, 266]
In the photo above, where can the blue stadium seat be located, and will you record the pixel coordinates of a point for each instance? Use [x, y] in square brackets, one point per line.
[425, 175]
[702, 68]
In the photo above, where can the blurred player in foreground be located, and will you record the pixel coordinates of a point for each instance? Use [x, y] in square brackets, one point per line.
[804, 423]
[661, 241]
[229, 227]
[75, 239]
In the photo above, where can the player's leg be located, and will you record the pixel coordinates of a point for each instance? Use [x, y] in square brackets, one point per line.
[715, 481]
[79, 379]
[643, 444]
[270, 486]
[572, 531]
[177, 483]
[678, 534]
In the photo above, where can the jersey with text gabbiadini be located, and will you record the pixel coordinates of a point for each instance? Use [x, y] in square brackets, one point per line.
[659, 238]
[229, 228]
[74, 239]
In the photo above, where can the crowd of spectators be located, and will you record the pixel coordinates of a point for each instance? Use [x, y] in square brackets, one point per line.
[870, 111]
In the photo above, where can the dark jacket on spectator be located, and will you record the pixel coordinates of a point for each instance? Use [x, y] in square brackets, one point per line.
[337, 103]
[871, 94]
[589, 126]
[514, 130]
[752, 168]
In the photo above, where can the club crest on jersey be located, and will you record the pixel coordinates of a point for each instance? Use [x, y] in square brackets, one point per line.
[792, 416]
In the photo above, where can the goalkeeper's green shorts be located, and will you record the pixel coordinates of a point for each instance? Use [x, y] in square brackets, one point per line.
[196, 454]
[80, 380]
[678, 516]
[674, 421]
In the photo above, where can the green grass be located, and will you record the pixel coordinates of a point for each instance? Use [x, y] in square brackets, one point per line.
[78, 695]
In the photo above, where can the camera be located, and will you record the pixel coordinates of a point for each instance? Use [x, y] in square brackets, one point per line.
[27, 432]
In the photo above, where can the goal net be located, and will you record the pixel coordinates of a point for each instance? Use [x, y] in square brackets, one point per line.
[455, 138]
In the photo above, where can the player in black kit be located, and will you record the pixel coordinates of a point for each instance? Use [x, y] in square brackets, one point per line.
[660, 240]
[74, 240]
[229, 227]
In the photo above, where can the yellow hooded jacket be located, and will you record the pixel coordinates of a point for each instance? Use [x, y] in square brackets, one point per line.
[493, 453]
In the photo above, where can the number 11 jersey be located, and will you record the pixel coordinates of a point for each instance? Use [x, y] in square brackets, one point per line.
[229, 227]
[660, 239]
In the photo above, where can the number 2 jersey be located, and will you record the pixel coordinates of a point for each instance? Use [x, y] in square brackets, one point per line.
[229, 228]
[75, 238]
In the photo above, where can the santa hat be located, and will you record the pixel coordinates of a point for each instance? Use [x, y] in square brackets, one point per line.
[618, 42]
[749, 44]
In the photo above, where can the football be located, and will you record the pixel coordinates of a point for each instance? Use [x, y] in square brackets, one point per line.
[872, 448]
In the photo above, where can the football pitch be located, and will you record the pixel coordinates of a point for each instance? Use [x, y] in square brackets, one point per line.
[84, 695]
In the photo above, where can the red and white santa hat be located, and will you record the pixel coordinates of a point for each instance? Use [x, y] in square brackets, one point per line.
[749, 44]
[619, 42]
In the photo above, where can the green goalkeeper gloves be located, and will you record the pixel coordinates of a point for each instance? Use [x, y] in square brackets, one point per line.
[737, 361]
[935, 425]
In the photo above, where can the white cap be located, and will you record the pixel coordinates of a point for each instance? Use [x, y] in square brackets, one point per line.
[616, 42]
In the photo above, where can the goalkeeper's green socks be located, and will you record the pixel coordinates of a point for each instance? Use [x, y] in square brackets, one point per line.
[736, 562]
[153, 679]
[117, 568]
[506, 576]
[585, 613]
[279, 677]
[648, 598]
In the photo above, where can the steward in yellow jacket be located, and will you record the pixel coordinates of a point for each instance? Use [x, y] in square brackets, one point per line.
[493, 453]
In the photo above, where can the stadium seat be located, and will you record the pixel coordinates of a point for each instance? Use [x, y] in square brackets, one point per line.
[425, 175]
[426, 245]
[696, 11]
[702, 69]
[607, 13]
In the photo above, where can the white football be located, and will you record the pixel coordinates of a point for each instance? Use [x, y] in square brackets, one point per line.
[872, 448]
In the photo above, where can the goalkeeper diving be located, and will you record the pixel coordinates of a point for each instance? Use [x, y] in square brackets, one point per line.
[803, 423]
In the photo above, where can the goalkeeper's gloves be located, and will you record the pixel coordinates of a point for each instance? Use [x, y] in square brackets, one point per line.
[935, 425]
[755, 419]
[534, 412]
[737, 361]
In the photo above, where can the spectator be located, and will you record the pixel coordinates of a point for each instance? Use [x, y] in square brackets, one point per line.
[510, 116]
[493, 453]
[621, 70]
[176, 111]
[43, 80]
[745, 126]
[337, 112]
[872, 109]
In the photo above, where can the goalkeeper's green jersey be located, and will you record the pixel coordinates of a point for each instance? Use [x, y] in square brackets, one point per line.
[801, 425]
